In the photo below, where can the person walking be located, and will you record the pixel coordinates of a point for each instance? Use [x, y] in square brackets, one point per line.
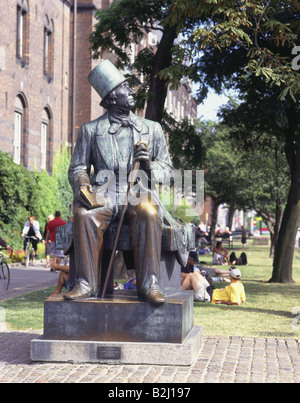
[55, 254]
[244, 236]
[50, 218]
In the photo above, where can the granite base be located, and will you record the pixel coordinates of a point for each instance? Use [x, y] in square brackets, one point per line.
[76, 351]
[122, 318]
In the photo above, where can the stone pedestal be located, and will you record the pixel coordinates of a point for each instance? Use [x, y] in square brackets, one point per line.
[123, 318]
[121, 328]
[179, 354]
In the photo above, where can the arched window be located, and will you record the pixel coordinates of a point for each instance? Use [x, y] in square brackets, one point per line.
[48, 49]
[19, 123]
[22, 44]
[45, 138]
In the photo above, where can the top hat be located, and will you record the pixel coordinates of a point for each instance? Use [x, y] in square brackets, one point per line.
[105, 78]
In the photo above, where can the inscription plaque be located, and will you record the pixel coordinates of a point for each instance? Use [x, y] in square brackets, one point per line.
[109, 353]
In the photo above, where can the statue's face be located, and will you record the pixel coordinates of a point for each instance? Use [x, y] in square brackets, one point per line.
[124, 97]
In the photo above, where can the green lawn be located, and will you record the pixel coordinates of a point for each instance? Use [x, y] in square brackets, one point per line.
[268, 308]
[266, 313]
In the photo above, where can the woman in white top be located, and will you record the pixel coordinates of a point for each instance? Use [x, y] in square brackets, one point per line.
[220, 254]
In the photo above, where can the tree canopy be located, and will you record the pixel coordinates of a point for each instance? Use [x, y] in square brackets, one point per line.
[238, 44]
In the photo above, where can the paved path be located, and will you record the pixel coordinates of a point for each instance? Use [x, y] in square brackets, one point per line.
[221, 359]
[26, 279]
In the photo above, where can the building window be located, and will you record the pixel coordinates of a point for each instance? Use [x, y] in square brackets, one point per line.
[46, 139]
[18, 128]
[17, 137]
[48, 50]
[44, 136]
[22, 33]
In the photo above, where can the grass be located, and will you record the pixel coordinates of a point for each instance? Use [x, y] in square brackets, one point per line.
[268, 308]
[266, 313]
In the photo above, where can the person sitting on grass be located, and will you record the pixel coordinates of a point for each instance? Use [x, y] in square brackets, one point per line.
[233, 294]
[63, 280]
[191, 263]
[196, 282]
[220, 254]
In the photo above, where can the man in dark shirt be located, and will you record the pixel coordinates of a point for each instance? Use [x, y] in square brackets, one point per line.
[189, 268]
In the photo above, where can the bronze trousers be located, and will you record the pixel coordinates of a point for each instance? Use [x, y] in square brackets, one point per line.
[145, 228]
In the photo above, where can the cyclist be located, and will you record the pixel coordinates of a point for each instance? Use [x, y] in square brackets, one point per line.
[32, 228]
[3, 244]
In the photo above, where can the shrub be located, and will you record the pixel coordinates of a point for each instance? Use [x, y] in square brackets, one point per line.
[18, 256]
[23, 193]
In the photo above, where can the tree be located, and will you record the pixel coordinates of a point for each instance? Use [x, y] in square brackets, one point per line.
[17, 198]
[219, 166]
[64, 193]
[23, 193]
[185, 143]
[125, 22]
[266, 32]
[263, 181]
[247, 45]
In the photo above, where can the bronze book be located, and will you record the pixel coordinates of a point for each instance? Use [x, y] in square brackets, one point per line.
[90, 199]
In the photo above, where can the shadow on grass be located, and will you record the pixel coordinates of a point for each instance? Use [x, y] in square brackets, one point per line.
[243, 308]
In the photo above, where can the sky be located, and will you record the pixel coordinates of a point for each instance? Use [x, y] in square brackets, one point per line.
[209, 108]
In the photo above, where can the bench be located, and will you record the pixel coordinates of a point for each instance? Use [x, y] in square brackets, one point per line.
[226, 239]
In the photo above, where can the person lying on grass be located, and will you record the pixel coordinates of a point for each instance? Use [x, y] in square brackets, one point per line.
[233, 294]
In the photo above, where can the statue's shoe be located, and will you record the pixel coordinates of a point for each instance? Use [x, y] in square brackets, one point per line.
[79, 292]
[154, 296]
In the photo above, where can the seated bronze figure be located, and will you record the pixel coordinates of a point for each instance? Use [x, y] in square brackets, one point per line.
[108, 144]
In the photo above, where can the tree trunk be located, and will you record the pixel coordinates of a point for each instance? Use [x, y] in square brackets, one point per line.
[158, 87]
[284, 252]
[231, 212]
[274, 236]
[214, 220]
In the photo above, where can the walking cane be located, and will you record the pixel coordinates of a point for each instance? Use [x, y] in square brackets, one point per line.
[133, 173]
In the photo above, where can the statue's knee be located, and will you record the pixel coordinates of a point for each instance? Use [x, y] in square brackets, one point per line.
[147, 211]
[80, 215]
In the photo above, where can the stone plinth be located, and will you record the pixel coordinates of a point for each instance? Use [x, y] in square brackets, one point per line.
[121, 329]
[122, 318]
[179, 354]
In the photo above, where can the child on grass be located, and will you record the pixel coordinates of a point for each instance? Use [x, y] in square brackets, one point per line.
[233, 294]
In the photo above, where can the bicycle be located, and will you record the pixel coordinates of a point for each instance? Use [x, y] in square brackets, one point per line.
[4, 272]
[29, 251]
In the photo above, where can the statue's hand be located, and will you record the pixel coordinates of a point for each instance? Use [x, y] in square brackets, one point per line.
[142, 155]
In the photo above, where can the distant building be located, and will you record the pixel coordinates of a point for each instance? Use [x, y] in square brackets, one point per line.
[44, 64]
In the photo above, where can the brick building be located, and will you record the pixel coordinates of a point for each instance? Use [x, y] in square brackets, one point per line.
[44, 64]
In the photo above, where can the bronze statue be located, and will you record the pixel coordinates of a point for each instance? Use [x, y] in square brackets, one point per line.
[109, 144]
